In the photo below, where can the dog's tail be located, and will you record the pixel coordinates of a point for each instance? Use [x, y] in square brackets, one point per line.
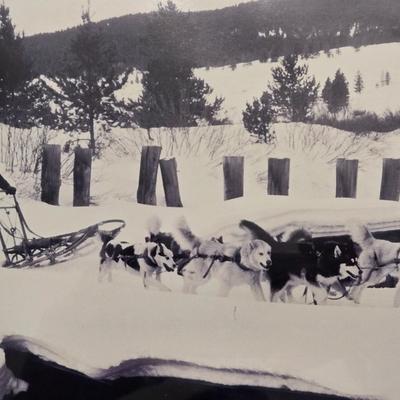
[360, 233]
[105, 237]
[299, 235]
[154, 225]
[257, 232]
[187, 233]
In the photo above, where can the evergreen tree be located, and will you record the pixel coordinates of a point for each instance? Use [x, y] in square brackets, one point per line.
[327, 91]
[16, 91]
[172, 96]
[85, 91]
[293, 91]
[336, 94]
[358, 83]
[257, 118]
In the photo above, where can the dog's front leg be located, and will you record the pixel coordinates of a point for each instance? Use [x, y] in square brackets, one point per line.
[319, 293]
[355, 293]
[104, 267]
[289, 294]
[257, 291]
[276, 296]
[143, 275]
[267, 290]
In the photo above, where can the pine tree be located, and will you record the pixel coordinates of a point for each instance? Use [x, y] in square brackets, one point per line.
[86, 89]
[336, 94]
[327, 91]
[293, 91]
[257, 118]
[358, 83]
[172, 96]
[15, 72]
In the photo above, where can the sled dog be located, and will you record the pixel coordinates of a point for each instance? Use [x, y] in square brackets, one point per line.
[377, 260]
[231, 265]
[301, 261]
[151, 261]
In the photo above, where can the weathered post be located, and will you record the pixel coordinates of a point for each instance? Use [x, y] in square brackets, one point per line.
[390, 185]
[146, 193]
[82, 174]
[169, 176]
[346, 178]
[233, 168]
[278, 176]
[51, 174]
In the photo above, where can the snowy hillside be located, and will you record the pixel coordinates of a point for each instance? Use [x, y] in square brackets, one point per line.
[246, 81]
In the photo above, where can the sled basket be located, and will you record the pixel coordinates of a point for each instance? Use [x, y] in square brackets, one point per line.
[24, 248]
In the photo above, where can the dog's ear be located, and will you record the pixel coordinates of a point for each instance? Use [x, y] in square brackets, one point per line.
[220, 239]
[337, 252]
[252, 245]
[246, 250]
[153, 251]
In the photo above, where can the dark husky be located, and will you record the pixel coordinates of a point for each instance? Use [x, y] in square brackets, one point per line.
[301, 260]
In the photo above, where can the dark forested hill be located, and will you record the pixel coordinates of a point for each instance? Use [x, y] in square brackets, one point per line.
[261, 29]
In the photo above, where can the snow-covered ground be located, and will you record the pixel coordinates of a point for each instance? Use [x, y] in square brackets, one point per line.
[63, 313]
[247, 81]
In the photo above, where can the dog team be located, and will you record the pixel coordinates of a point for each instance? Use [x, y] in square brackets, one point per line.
[271, 267]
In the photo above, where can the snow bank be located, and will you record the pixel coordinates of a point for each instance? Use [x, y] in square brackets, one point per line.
[119, 329]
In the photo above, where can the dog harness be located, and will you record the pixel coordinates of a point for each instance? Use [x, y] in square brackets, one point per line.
[395, 261]
[145, 256]
[236, 259]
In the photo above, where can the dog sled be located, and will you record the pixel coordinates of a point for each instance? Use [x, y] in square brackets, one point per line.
[22, 247]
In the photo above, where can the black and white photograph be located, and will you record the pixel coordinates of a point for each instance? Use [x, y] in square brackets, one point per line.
[199, 199]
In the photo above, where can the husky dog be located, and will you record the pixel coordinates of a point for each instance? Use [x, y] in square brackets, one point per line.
[181, 256]
[377, 260]
[150, 262]
[232, 266]
[301, 261]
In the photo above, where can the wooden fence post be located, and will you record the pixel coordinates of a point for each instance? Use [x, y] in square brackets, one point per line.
[346, 178]
[390, 185]
[146, 192]
[170, 182]
[278, 176]
[233, 168]
[51, 174]
[82, 174]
